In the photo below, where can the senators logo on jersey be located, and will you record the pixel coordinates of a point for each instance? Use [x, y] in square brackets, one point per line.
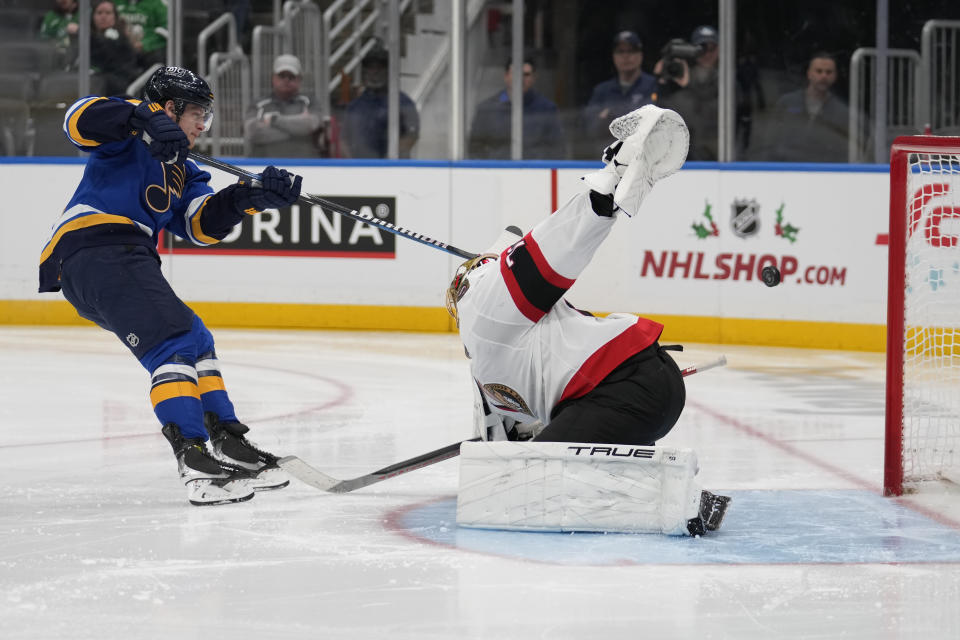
[506, 399]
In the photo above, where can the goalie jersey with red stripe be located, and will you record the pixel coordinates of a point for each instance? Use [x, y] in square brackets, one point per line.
[529, 348]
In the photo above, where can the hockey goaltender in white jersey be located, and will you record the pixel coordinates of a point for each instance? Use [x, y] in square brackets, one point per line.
[585, 379]
[529, 349]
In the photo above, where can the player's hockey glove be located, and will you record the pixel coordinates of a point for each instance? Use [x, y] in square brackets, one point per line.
[273, 189]
[164, 138]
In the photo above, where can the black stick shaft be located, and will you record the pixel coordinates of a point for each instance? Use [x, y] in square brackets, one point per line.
[399, 468]
[342, 210]
[423, 460]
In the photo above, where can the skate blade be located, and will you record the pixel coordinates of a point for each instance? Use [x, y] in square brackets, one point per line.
[219, 491]
[270, 479]
[198, 503]
[272, 487]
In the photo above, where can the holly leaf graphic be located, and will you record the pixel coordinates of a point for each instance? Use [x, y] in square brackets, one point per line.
[789, 232]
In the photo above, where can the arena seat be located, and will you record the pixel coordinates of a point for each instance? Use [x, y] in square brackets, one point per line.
[16, 128]
[19, 24]
[32, 56]
[18, 85]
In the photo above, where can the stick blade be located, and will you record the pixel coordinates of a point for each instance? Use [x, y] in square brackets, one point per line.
[307, 474]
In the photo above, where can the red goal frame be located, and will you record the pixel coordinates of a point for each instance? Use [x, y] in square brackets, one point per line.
[899, 166]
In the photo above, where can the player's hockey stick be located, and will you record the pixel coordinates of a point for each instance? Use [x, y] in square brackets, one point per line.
[342, 210]
[318, 479]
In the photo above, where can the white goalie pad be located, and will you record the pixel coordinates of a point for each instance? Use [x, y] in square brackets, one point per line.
[565, 486]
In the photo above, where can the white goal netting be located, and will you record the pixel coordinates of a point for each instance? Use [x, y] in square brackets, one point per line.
[931, 319]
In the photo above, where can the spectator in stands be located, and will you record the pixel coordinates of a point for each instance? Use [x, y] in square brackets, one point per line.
[287, 123]
[366, 117]
[542, 133]
[630, 89]
[60, 25]
[810, 125]
[112, 55]
[146, 22]
[692, 89]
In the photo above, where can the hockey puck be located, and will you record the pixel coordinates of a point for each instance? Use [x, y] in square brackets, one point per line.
[770, 275]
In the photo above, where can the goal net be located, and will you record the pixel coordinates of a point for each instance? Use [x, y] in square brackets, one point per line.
[923, 314]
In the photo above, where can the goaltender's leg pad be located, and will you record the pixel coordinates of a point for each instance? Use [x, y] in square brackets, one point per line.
[565, 486]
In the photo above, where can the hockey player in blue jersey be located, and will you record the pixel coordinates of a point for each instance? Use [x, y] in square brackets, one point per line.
[102, 255]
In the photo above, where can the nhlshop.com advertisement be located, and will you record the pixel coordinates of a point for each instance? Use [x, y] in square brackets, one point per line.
[701, 241]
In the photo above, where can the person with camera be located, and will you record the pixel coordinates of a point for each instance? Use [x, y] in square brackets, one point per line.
[629, 90]
[689, 84]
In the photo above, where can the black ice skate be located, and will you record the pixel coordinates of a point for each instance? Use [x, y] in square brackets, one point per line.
[230, 446]
[712, 510]
[207, 481]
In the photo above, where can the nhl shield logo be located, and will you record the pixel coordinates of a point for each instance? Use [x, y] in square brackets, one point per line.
[745, 217]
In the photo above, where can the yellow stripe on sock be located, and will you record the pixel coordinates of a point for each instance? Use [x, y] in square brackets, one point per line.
[210, 383]
[173, 390]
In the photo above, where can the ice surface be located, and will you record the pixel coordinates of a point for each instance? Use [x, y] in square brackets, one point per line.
[97, 540]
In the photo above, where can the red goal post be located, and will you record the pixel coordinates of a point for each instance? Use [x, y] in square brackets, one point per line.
[923, 314]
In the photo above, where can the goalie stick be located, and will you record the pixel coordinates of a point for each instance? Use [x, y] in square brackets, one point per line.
[342, 210]
[719, 362]
[318, 479]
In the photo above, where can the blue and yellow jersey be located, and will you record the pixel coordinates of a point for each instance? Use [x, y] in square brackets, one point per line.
[126, 196]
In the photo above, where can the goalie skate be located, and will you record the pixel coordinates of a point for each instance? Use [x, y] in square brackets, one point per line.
[712, 510]
[652, 143]
[230, 446]
[207, 482]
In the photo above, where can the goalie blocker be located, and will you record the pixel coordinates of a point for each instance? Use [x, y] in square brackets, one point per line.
[569, 486]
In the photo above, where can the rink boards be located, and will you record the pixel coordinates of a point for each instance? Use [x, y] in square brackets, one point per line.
[691, 259]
